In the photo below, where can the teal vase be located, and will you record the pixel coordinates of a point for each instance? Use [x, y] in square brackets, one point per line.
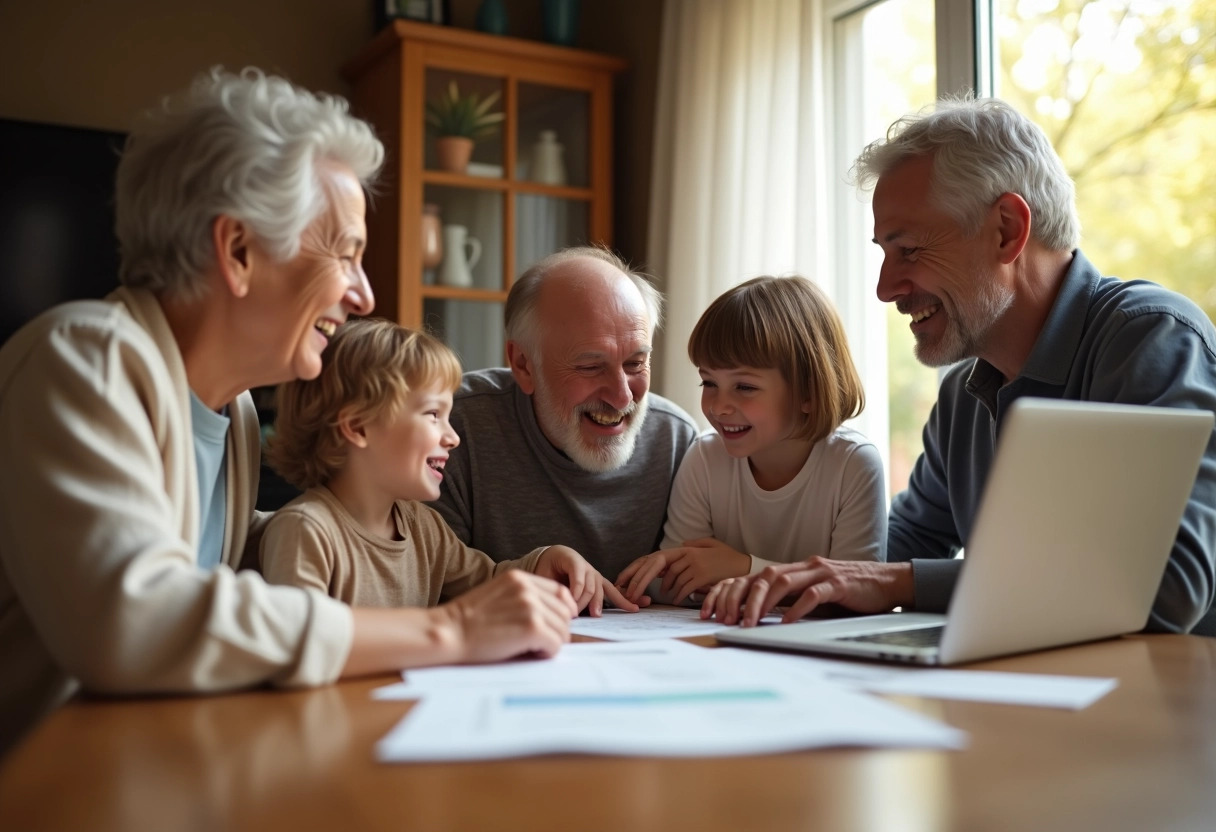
[492, 17]
[560, 20]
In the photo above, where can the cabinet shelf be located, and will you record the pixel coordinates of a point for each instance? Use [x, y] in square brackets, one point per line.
[491, 183]
[458, 293]
[559, 191]
[464, 180]
[492, 227]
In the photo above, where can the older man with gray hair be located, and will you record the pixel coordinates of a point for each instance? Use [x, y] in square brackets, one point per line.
[977, 222]
[568, 445]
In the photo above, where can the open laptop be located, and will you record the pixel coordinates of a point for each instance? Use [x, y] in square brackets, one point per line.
[1078, 518]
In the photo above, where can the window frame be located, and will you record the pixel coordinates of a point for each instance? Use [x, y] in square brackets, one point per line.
[965, 61]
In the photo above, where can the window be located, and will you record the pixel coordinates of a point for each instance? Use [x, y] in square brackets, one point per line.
[884, 65]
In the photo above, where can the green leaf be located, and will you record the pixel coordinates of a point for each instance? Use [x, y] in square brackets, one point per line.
[453, 114]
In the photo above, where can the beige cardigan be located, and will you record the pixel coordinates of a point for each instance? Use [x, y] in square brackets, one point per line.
[99, 528]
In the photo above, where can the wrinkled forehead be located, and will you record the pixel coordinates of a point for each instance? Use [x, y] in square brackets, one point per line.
[345, 204]
[907, 184]
[905, 201]
[593, 298]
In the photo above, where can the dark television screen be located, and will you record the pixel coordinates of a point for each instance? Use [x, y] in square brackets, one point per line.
[57, 238]
[56, 217]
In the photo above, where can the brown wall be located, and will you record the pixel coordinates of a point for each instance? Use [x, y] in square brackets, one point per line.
[97, 64]
[631, 30]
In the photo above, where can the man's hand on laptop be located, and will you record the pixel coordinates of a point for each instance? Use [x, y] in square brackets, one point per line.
[861, 586]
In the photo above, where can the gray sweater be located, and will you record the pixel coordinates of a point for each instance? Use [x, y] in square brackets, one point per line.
[507, 490]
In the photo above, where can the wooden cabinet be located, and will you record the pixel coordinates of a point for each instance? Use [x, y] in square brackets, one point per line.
[514, 203]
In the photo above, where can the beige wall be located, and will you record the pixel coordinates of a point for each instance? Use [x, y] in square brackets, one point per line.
[97, 64]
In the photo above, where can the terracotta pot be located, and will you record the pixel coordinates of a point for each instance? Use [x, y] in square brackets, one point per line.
[453, 153]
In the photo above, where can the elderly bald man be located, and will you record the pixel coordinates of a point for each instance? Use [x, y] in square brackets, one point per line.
[568, 445]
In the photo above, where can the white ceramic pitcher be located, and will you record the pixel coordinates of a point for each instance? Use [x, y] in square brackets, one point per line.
[460, 254]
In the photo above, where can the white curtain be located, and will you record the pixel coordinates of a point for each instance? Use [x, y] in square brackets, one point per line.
[743, 178]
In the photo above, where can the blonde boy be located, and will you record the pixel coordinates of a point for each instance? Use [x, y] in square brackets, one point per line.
[368, 440]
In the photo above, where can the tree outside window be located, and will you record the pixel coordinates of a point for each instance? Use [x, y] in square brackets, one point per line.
[1126, 91]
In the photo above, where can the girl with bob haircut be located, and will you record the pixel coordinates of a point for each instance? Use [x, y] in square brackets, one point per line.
[779, 478]
[368, 439]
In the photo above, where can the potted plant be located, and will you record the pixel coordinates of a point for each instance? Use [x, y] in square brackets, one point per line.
[458, 121]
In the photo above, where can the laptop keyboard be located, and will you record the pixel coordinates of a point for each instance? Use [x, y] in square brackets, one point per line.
[919, 637]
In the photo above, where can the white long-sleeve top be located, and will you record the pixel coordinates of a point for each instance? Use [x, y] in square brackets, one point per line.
[835, 506]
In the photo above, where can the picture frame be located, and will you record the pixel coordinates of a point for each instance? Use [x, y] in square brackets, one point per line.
[422, 11]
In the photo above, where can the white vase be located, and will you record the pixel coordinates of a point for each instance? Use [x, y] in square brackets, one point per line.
[548, 167]
[460, 254]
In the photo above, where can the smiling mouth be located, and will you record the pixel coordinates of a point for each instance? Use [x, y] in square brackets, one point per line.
[924, 313]
[606, 418]
[326, 327]
[436, 464]
[735, 430]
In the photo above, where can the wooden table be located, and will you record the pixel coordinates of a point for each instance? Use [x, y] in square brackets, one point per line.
[1142, 758]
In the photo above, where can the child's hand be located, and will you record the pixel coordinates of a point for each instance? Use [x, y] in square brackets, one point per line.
[635, 577]
[698, 565]
[588, 586]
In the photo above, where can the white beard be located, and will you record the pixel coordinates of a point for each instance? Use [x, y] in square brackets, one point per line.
[968, 326]
[564, 431]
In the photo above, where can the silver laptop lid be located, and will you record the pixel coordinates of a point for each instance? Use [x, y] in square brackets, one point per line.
[1078, 519]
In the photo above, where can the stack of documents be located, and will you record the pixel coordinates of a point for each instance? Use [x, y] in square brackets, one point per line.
[645, 693]
[1070, 692]
[655, 698]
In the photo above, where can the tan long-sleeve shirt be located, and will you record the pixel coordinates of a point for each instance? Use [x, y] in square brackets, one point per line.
[314, 542]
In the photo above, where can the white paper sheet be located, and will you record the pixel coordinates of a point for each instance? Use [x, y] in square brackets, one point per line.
[603, 665]
[1069, 692]
[667, 721]
[622, 665]
[665, 622]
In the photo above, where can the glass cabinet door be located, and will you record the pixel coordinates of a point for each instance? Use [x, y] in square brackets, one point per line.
[471, 108]
[552, 171]
[463, 240]
[470, 235]
[473, 329]
[545, 224]
[551, 138]
[522, 192]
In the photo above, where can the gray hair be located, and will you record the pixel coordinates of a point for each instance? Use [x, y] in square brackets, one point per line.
[242, 145]
[981, 148]
[520, 312]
